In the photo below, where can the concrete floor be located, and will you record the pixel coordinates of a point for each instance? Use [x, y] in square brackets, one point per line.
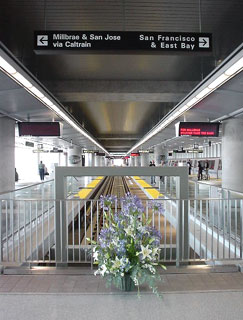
[201, 305]
[185, 296]
[88, 283]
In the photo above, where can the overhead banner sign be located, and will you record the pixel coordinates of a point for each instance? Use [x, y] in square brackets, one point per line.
[90, 151]
[179, 151]
[143, 151]
[58, 42]
[29, 144]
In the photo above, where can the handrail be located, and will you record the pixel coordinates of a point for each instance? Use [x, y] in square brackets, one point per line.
[25, 187]
[28, 232]
[215, 186]
[143, 199]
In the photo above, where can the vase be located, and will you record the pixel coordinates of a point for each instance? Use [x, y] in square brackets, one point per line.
[127, 283]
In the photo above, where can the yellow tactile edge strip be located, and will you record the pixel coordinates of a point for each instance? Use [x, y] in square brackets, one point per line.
[152, 192]
[82, 194]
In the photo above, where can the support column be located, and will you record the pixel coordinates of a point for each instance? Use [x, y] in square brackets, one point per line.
[132, 163]
[164, 155]
[97, 161]
[102, 161]
[137, 161]
[7, 157]
[129, 162]
[66, 159]
[157, 155]
[74, 156]
[219, 149]
[144, 159]
[232, 154]
[89, 159]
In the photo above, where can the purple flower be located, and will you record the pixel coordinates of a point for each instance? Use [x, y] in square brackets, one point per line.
[132, 204]
[153, 232]
[156, 206]
[107, 201]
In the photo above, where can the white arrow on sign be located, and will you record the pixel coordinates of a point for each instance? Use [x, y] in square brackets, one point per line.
[203, 42]
[42, 40]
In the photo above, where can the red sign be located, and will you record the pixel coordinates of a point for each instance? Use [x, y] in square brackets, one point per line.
[135, 154]
[199, 129]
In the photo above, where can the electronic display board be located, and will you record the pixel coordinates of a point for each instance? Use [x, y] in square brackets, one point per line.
[47, 129]
[199, 129]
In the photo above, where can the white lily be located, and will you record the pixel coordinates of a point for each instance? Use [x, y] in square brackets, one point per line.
[103, 270]
[95, 255]
[128, 231]
[145, 252]
[155, 251]
[117, 263]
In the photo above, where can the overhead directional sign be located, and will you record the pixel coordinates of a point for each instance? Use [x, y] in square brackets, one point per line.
[49, 42]
[204, 42]
[42, 40]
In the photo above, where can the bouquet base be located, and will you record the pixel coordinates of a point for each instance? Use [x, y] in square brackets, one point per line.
[127, 283]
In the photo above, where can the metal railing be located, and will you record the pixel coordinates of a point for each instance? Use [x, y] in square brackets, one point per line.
[30, 230]
[40, 190]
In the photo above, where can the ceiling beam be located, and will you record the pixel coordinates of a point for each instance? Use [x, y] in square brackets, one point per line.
[120, 90]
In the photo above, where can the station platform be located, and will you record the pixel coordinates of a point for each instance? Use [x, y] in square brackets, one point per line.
[158, 189]
[35, 190]
[212, 181]
[199, 295]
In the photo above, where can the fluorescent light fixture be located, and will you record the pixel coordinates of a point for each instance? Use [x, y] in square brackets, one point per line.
[55, 108]
[36, 92]
[177, 114]
[21, 79]
[171, 118]
[6, 66]
[203, 93]
[71, 122]
[235, 68]
[47, 101]
[191, 102]
[218, 81]
[184, 108]
[174, 116]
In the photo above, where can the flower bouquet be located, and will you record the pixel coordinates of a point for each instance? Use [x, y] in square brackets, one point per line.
[127, 251]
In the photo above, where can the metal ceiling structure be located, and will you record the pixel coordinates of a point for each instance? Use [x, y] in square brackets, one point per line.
[119, 98]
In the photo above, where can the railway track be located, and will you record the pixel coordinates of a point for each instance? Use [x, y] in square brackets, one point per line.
[91, 216]
[116, 186]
